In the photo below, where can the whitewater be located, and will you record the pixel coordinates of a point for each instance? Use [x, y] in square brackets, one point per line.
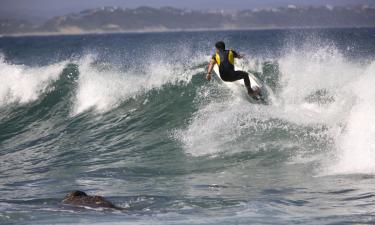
[131, 117]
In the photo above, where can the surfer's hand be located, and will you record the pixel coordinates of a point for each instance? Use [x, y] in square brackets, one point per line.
[241, 56]
[208, 77]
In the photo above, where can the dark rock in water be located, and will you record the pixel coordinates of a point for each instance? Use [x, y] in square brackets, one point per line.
[80, 198]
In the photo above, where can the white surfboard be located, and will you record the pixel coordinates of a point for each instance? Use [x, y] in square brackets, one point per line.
[239, 86]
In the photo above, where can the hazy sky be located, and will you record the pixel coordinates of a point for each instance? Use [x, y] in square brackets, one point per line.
[49, 8]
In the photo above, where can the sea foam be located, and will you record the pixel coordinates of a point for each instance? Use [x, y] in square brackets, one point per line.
[322, 93]
[22, 84]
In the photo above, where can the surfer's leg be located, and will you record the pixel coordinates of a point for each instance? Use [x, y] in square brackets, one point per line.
[245, 77]
[238, 75]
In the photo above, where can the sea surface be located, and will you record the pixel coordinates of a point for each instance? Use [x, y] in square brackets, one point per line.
[131, 117]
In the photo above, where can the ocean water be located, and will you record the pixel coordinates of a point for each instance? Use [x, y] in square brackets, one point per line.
[131, 117]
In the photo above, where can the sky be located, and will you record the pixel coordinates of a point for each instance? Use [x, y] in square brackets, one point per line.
[43, 9]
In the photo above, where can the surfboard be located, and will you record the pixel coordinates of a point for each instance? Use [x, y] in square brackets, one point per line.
[238, 87]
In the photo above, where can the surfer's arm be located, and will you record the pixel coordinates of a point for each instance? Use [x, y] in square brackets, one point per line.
[238, 56]
[210, 68]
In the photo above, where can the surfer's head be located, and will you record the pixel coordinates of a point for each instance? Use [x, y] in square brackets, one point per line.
[220, 46]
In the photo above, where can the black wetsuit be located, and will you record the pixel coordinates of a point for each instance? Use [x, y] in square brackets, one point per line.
[225, 61]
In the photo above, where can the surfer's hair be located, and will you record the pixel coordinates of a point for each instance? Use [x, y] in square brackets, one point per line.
[220, 45]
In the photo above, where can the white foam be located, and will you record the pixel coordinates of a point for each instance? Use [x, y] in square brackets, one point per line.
[217, 126]
[311, 69]
[211, 128]
[105, 90]
[23, 84]
[356, 146]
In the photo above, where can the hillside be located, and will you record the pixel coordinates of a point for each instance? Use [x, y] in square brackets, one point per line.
[114, 19]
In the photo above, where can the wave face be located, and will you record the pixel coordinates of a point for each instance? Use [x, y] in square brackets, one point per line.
[130, 117]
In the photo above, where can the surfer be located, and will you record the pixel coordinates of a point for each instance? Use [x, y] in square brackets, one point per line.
[225, 60]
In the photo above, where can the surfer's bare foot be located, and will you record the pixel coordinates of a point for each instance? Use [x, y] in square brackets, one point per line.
[256, 91]
[256, 97]
[255, 94]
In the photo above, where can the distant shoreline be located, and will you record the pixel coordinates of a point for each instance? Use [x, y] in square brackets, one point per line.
[146, 31]
[114, 20]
